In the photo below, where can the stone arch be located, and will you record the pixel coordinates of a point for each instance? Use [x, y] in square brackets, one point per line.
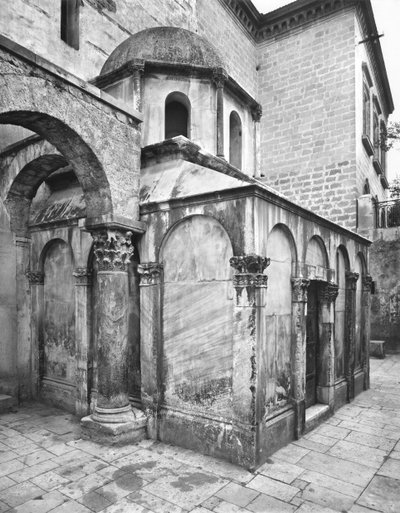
[342, 267]
[177, 115]
[276, 370]
[197, 316]
[104, 150]
[316, 259]
[25, 185]
[235, 140]
[57, 346]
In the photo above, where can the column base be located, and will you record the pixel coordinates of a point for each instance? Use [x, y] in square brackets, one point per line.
[115, 426]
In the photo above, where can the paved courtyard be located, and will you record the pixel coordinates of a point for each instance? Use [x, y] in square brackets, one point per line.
[351, 463]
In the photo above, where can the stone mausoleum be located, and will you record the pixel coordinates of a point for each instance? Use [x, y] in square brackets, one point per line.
[179, 256]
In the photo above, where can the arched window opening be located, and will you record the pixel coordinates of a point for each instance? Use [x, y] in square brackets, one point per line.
[367, 189]
[70, 22]
[177, 116]
[235, 140]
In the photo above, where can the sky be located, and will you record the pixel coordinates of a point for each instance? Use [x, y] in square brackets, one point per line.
[387, 18]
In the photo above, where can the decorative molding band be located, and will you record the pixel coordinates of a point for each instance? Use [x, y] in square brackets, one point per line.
[150, 273]
[300, 290]
[250, 280]
[83, 276]
[113, 249]
[329, 292]
[35, 277]
[351, 280]
[249, 264]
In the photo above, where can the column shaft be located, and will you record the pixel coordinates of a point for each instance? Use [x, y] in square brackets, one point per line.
[351, 285]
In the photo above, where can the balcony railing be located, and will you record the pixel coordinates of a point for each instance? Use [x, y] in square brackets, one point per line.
[388, 214]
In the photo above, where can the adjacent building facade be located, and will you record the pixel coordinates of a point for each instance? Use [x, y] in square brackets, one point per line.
[178, 215]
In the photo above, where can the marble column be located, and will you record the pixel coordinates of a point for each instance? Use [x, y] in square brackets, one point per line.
[366, 310]
[24, 363]
[351, 287]
[137, 76]
[299, 309]
[150, 342]
[113, 419]
[36, 281]
[219, 78]
[328, 293]
[250, 286]
[256, 113]
[82, 337]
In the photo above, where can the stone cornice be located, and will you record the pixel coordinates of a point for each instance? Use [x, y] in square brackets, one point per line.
[176, 68]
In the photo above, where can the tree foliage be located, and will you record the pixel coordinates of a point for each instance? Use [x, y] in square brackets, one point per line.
[392, 135]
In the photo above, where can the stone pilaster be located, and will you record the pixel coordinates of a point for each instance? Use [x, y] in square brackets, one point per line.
[83, 281]
[219, 77]
[250, 287]
[299, 304]
[351, 287]
[36, 282]
[137, 76]
[150, 341]
[328, 293]
[24, 360]
[256, 113]
[113, 419]
[366, 309]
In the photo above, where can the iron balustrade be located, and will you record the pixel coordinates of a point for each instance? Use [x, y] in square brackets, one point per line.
[388, 213]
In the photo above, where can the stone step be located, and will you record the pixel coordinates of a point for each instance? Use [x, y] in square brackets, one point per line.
[7, 403]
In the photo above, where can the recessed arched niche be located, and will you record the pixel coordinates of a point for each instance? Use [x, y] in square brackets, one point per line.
[235, 140]
[197, 316]
[177, 115]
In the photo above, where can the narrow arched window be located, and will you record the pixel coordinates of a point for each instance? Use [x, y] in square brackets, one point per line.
[70, 22]
[177, 115]
[235, 140]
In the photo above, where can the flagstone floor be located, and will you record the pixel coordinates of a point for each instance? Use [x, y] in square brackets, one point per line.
[351, 463]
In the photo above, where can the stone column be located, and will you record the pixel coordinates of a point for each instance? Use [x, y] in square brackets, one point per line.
[113, 419]
[82, 337]
[150, 342]
[299, 309]
[366, 307]
[351, 286]
[36, 281]
[219, 78]
[256, 113]
[137, 74]
[250, 286]
[328, 293]
[24, 363]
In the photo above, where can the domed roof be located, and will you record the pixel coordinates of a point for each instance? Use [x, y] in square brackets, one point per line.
[164, 44]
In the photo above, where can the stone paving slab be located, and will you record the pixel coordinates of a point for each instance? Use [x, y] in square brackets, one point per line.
[351, 464]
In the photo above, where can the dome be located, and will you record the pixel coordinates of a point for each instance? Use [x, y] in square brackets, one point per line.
[164, 44]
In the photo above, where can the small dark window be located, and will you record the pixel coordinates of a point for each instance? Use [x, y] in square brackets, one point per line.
[177, 115]
[367, 189]
[70, 22]
[235, 140]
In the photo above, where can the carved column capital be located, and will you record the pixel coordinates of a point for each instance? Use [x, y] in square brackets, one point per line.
[300, 289]
[219, 77]
[83, 276]
[249, 271]
[256, 112]
[113, 249]
[150, 273]
[367, 283]
[351, 279]
[329, 292]
[35, 277]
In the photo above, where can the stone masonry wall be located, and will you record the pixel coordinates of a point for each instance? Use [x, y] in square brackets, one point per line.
[306, 87]
[104, 24]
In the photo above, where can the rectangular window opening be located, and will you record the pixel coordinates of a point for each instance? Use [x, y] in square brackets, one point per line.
[70, 22]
